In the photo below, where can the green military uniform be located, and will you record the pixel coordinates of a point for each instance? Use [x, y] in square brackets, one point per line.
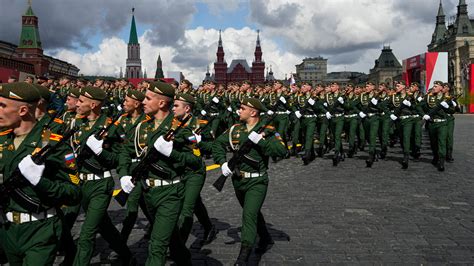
[194, 181]
[31, 238]
[322, 123]
[417, 125]
[385, 123]
[454, 107]
[251, 187]
[164, 189]
[351, 115]
[97, 188]
[437, 127]
[336, 108]
[370, 122]
[279, 102]
[403, 114]
[305, 105]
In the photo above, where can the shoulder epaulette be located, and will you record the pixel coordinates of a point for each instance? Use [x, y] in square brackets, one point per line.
[55, 137]
[202, 121]
[124, 115]
[59, 121]
[6, 132]
[147, 117]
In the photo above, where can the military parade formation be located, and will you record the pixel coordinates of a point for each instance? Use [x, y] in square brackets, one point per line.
[65, 143]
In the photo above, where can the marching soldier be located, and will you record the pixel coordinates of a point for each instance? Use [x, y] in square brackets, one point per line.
[370, 114]
[454, 107]
[402, 113]
[193, 180]
[417, 120]
[351, 116]
[335, 102]
[95, 162]
[251, 186]
[128, 123]
[436, 107]
[164, 187]
[32, 237]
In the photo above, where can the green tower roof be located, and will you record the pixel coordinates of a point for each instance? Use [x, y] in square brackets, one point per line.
[133, 31]
[30, 37]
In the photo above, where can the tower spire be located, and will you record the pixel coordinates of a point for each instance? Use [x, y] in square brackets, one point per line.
[133, 30]
[220, 38]
[258, 38]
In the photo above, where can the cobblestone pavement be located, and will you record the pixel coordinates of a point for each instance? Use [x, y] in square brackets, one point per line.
[320, 214]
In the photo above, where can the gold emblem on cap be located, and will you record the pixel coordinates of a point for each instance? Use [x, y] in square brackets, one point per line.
[87, 95]
[158, 90]
[14, 96]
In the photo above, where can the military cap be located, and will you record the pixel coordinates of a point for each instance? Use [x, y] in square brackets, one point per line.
[43, 91]
[350, 85]
[305, 83]
[42, 78]
[370, 83]
[185, 97]
[440, 83]
[278, 81]
[66, 77]
[247, 82]
[415, 84]
[383, 84]
[254, 103]
[136, 95]
[446, 85]
[93, 93]
[185, 81]
[20, 91]
[401, 82]
[74, 92]
[162, 88]
[334, 83]
[13, 77]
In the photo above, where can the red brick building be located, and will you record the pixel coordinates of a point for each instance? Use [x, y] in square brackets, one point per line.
[239, 70]
[27, 58]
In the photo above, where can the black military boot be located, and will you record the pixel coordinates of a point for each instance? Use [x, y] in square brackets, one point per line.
[441, 165]
[293, 150]
[383, 152]
[312, 156]
[320, 151]
[306, 157]
[435, 160]
[449, 156]
[244, 255]
[417, 153]
[369, 162]
[263, 244]
[350, 154]
[406, 157]
[336, 159]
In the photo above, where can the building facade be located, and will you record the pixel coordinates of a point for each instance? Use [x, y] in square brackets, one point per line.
[133, 68]
[386, 67]
[456, 38]
[27, 58]
[239, 69]
[312, 69]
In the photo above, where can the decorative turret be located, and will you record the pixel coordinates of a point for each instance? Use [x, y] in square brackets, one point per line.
[134, 63]
[220, 66]
[159, 68]
[463, 24]
[258, 66]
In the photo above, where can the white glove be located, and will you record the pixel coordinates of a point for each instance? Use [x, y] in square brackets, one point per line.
[229, 109]
[298, 114]
[270, 112]
[31, 171]
[454, 103]
[255, 137]
[237, 112]
[311, 101]
[203, 112]
[95, 145]
[325, 104]
[340, 99]
[419, 99]
[163, 146]
[374, 101]
[406, 102]
[225, 169]
[328, 115]
[426, 117]
[445, 104]
[393, 117]
[215, 100]
[198, 137]
[288, 112]
[362, 115]
[126, 184]
[282, 99]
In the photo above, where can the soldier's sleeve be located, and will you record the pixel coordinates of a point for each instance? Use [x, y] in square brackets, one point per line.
[59, 183]
[219, 148]
[273, 144]
[124, 159]
[113, 147]
[184, 155]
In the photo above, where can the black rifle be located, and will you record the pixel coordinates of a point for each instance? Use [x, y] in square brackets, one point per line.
[239, 156]
[86, 155]
[149, 160]
[12, 188]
